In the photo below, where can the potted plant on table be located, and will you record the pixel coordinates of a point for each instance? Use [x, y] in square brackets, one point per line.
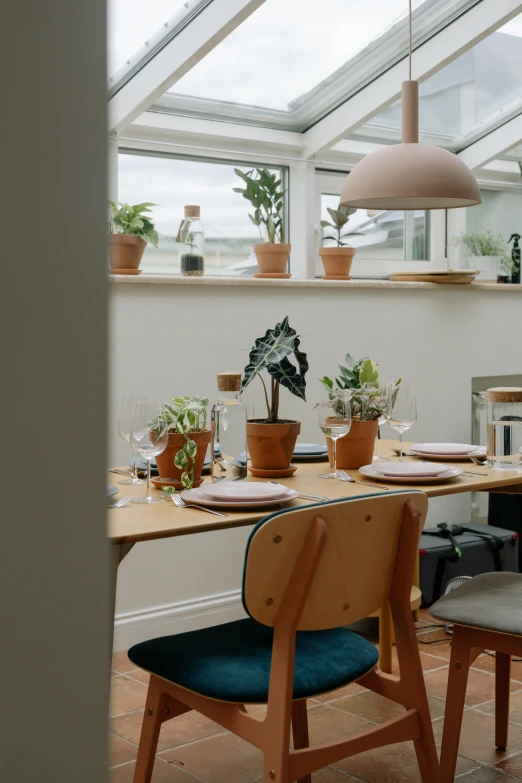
[337, 257]
[263, 190]
[271, 441]
[368, 404]
[189, 437]
[488, 253]
[129, 232]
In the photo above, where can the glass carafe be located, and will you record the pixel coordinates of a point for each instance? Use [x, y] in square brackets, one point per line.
[504, 447]
[229, 426]
[192, 236]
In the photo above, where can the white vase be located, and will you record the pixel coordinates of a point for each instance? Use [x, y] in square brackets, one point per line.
[487, 266]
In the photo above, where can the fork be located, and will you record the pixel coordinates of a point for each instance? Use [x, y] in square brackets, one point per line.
[180, 503]
[121, 502]
[346, 477]
[305, 495]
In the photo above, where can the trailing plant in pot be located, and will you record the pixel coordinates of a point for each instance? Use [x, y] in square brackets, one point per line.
[489, 253]
[271, 441]
[264, 191]
[189, 437]
[337, 257]
[130, 230]
[368, 403]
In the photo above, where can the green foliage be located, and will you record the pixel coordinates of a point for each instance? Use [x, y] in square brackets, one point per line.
[128, 219]
[367, 404]
[340, 218]
[184, 415]
[191, 243]
[264, 192]
[485, 243]
[271, 353]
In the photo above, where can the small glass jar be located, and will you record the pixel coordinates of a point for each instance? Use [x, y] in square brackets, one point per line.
[504, 448]
[229, 430]
[193, 237]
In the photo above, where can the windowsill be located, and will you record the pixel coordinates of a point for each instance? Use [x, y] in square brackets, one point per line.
[294, 282]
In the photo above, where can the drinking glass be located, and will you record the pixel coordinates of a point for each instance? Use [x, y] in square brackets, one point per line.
[149, 437]
[335, 420]
[401, 412]
[125, 414]
[373, 387]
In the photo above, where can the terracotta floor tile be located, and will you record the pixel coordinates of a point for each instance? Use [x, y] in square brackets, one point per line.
[511, 766]
[120, 751]
[331, 775]
[377, 709]
[121, 663]
[481, 686]
[429, 661]
[348, 690]
[487, 663]
[179, 731]
[488, 775]
[126, 695]
[163, 773]
[477, 738]
[327, 724]
[515, 707]
[140, 675]
[223, 759]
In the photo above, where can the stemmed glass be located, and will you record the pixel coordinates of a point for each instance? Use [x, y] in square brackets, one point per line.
[373, 387]
[401, 412]
[125, 413]
[335, 420]
[149, 437]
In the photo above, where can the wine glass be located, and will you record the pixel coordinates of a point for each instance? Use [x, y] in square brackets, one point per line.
[125, 414]
[379, 396]
[335, 420]
[149, 437]
[401, 412]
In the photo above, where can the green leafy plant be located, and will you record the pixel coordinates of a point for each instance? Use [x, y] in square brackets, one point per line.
[128, 219]
[340, 218]
[190, 241]
[485, 243]
[185, 415]
[263, 190]
[367, 403]
[271, 353]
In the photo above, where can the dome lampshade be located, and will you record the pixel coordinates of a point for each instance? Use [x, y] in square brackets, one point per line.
[410, 175]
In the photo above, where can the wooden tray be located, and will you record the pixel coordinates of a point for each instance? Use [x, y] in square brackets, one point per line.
[436, 278]
[442, 272]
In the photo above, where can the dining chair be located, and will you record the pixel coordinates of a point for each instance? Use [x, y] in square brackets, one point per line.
[308, 573]
[486, 615]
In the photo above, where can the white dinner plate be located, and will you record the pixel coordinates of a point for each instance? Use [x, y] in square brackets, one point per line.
[197, 496]
[370, 472]
[444, 448]
[412, 469]
[237, 491]
[480, 451]
[310, 449]
[112, 491]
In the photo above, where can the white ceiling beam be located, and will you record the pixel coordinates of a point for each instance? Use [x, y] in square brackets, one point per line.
[494, 144]
[466, 31]
[191, 44]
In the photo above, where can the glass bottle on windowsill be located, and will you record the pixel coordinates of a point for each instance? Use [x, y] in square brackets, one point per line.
[228, 452]
[193, 237]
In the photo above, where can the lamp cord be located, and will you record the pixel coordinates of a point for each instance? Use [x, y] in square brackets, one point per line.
[410, 42]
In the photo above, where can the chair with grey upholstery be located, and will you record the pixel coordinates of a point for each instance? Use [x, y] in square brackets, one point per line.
[486, 613]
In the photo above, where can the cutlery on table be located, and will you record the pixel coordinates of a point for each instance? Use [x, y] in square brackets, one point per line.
[127, 472]
[304, 495]
[119, 503]
[480, 461]
[346, 477]
[180, 503]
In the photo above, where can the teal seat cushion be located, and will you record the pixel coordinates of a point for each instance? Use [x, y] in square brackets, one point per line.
[231, 662]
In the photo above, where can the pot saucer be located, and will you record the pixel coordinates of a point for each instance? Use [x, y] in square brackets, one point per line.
[125, 271]
[160, 482]
[260, 473]
[276, 275]
[336, 277]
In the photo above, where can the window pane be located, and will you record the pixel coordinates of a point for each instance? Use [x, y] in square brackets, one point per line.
[171, 183]
[500, 210]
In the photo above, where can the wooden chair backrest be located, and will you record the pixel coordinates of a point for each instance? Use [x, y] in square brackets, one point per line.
[355, 572]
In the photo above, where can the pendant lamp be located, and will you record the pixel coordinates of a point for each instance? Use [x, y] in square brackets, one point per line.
[410, 175]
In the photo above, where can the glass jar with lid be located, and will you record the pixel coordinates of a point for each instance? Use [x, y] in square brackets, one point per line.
[229, 430]
[504, 448]
[192, 235]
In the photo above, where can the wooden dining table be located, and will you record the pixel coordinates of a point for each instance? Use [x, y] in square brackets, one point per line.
[135, 523]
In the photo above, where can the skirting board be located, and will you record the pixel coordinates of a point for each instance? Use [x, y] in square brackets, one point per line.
[133, 627]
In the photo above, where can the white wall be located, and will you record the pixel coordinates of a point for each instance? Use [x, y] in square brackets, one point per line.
[173, 339]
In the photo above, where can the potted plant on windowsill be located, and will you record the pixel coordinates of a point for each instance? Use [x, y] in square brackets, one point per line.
[337, 257]
[129, 232]
[488, 253]
[264, 192]
[368, 404]
[182, 460]
[271, 441]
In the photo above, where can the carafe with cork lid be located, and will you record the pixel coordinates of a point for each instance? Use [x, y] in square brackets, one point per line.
[192, 235]
[504, 447]
[229, 430]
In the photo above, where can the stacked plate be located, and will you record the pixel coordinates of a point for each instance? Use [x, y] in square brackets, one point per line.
[410, 472]
[449, 451]
[310, 452]
[240, 494]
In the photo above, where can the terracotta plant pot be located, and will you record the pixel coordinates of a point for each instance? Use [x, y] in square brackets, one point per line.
[126, 251]
[272, 258]
[357, 447]
[271, 446]
[165, 460]
[337, 261]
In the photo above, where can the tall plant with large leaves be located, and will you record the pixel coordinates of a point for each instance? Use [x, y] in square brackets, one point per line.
[263, 190]
[271, 353]
[340, 218]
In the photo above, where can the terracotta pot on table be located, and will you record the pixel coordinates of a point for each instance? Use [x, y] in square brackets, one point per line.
[165, 460]
[356, 448]
[271, 446]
